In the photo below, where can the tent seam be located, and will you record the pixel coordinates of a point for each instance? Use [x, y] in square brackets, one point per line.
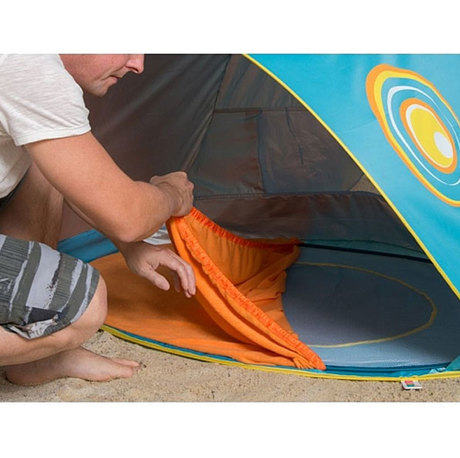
[193, 159]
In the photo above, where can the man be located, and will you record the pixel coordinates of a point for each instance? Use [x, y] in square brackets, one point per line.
[50, 303]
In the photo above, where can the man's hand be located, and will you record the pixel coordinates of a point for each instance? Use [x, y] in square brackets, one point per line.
[143, 259]
[179, 190]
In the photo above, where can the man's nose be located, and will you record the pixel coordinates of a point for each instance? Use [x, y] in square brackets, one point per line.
[136, 63]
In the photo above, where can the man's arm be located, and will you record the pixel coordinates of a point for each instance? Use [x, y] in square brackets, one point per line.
[123, 209]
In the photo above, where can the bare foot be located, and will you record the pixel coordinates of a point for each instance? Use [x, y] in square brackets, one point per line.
[79, 363]
[127, 362]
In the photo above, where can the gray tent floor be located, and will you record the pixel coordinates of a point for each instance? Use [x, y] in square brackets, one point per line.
[359, 310]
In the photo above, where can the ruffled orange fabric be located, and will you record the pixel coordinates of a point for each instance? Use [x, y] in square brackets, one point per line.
[240, 283]
[237, 311]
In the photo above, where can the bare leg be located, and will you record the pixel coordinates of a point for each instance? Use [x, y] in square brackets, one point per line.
[30, 362]
[35, 213]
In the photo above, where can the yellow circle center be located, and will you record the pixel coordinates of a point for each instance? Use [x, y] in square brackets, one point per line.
[430, 135]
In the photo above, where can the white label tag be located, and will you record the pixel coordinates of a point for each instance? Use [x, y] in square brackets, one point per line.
[411, 384]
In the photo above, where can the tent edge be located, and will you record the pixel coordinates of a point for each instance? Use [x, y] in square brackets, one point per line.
[168, 348]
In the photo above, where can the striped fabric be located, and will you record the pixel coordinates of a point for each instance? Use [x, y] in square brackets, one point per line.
[41, 290]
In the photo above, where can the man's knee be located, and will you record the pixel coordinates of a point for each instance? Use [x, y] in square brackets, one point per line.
[15, 349]
[89, 323]
[97, 308]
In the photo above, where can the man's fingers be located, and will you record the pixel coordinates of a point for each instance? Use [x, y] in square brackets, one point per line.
[184, 272]
[177, 285]
[179, 188]
[158, 280]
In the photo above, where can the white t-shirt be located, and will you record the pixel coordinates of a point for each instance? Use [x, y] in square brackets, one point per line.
[39, 100]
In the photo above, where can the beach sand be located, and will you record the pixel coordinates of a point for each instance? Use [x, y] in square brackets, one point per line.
[169, 378]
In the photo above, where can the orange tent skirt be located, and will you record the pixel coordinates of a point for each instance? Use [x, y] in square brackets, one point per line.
[237, 311]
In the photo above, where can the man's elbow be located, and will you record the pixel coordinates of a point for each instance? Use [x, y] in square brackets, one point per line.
[126, 232]
[129, 233]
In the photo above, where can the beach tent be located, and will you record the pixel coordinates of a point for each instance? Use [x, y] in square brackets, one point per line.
[331, 179]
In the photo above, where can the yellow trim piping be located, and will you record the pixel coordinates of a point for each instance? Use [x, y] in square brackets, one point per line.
[280, 370]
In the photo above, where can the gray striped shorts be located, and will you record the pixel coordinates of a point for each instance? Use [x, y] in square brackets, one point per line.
[41, 290]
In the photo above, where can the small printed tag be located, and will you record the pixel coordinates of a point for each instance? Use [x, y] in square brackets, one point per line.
[411, 384]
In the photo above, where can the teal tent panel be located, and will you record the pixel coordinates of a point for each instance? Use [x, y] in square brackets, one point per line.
[396, 115]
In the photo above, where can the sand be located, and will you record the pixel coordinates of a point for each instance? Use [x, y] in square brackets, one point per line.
[169, 378]
[193, 406]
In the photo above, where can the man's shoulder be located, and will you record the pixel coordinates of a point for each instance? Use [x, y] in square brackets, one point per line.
[39, 99]
[35, 76]
[35, 63]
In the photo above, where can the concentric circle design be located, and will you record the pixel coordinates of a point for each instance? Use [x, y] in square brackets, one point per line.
[420, 125]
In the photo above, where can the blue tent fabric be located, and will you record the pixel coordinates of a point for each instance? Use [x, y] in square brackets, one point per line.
[395, 116]
[334, 88]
